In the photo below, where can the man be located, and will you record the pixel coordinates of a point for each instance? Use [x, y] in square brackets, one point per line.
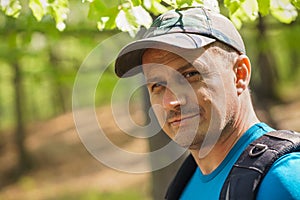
[197, 74]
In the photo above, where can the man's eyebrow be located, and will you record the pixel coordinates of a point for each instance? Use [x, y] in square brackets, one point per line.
[180, 70]
[185, 67]
[153, 80]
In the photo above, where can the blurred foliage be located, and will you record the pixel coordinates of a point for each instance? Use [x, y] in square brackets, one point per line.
[281, 43]
[248, 10]
[49, 61]
[130, 15]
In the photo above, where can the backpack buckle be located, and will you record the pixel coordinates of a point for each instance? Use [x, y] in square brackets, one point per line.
[257, 150]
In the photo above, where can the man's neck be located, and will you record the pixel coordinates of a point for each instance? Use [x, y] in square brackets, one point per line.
[220, 150]
[215, 157]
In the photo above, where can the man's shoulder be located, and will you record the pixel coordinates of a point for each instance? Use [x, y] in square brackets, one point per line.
[283, 179]
[256, 160]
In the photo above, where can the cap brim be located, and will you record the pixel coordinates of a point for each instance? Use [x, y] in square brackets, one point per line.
[129, 59]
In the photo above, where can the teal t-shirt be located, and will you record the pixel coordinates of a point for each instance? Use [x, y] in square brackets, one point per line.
[281, 182]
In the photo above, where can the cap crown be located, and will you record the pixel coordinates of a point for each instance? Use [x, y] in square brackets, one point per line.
[199, 21]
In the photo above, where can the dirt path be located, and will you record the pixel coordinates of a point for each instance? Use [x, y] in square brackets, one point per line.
[64, 164]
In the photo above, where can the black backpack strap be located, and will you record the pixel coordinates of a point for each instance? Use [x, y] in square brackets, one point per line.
[181, 179]
[247, 173]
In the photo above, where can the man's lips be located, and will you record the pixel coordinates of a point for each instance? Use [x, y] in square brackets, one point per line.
[179, 121]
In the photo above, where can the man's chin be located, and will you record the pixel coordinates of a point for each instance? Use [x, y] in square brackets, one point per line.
[191, 144]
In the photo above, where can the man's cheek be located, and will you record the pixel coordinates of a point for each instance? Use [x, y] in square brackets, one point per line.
[160, 113]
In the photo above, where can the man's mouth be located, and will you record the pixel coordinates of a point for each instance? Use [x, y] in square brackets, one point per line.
[182, 120]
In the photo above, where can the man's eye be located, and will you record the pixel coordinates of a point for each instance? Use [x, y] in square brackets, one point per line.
[192, 76]
[157, 86]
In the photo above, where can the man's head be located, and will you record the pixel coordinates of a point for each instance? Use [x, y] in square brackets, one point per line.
[196, 72]
[198, 92]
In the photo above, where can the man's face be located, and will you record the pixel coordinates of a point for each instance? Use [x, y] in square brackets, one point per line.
[192, 95]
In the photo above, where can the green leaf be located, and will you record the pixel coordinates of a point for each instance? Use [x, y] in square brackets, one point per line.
[251, 9]
[59, 10]
[102, 22]
[104, 16]
[296, 3]
[98, 9]
[111, 23]
[283, 10]
[126, 22]
[232, 5]
[199, 2]
[142, 17]
[155, 6]
[136, 2]
[95, 9]
[111, 3]
[131, 19]
[172, 3]
[11, 7]
[183, 3]
[247, 11]
[263, 7]
[158, 7]
[147, 4]
[38, 9]
[107, 23]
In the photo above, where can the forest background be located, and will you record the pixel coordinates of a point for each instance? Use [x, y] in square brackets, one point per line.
[44, 44]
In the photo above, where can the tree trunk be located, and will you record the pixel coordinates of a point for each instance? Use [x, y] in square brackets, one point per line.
[266, 87]
[23, 157]
[58, 98]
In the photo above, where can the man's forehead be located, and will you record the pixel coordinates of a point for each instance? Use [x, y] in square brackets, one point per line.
[158, 56]
[166, 52]
[160, 60]
[156, 53]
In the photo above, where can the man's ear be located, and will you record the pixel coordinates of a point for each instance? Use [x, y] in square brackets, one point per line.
[242, 70]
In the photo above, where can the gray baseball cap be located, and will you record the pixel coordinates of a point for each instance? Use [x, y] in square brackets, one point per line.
[187, 28]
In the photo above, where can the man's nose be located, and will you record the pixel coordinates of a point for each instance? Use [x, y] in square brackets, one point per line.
[172, 99]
